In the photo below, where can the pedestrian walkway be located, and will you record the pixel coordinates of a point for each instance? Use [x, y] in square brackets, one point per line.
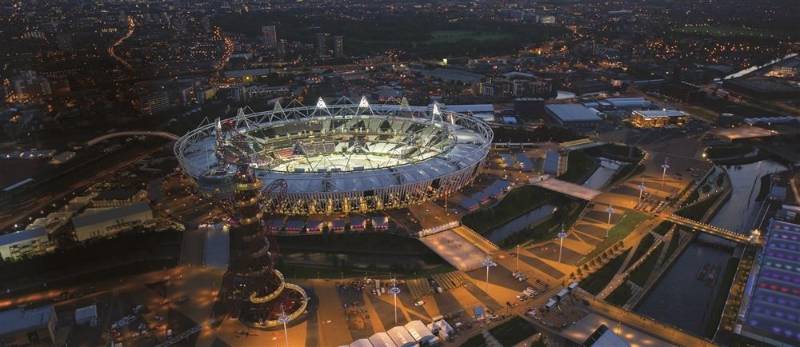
[567, 188]
[455, 249]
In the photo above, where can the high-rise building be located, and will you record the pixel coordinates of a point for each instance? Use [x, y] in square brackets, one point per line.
[338, 46]
[270, 36]
[320, 46]
[282, 48]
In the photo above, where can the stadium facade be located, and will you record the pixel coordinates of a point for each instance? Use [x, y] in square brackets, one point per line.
[339, 158]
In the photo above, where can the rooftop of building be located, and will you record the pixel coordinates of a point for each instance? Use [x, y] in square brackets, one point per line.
[573, 112]
[774, 309]
[29, 234]
[21, 320]
[103, 215]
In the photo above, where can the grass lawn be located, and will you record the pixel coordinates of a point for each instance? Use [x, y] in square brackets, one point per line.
[475, 341]
[566, 214]
[580, 166]
[628, 222]
[517, 202]
[662, 228]
[617, 152]
[640, 275]
[673, 244]
[620, 296]
[312, 271]
[598, 280]
[514, 331]
[628, 170]
[644, 245]
[728, 151]
[453, 36]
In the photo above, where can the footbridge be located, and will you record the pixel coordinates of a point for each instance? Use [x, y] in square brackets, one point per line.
[564, 187]
[712, 229]
[162, 134]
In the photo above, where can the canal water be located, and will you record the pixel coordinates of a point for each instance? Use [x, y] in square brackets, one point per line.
[684, 295]
[740, 210]
[521, 223]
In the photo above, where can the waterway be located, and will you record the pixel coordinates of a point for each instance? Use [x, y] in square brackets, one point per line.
[520, 223]
[740, 210]
[684, 295]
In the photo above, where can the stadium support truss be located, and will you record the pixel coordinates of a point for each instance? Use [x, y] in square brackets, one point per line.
[339, 158]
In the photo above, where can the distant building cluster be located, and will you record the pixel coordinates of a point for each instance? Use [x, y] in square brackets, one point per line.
[96, 214]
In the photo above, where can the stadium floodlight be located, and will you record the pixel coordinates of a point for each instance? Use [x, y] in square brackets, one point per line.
[321, 104]
[363, 103]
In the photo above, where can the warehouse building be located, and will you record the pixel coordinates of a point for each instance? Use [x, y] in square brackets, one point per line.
[574, 116]
[109, 222]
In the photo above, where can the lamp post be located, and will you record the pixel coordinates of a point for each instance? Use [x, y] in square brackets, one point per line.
[641, 190]
[561, 236]
[610, 211]
[664, 168]
[488, 262]
[283, 319]
[516, 262]
[394, 290]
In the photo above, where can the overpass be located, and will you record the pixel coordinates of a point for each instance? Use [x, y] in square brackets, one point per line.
[163, 134]
[711, 229]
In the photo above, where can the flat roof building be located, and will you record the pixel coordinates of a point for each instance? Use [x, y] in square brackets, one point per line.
[574, 116]
[24, 243]
[26, 327]
[658, 118]
[773, 310]
[107, 222]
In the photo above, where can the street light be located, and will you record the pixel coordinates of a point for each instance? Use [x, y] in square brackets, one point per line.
[394, 290]
[561, 236]
[610, 211]
[516, 263]
[641, 190]
[283, 319]
[488, 262]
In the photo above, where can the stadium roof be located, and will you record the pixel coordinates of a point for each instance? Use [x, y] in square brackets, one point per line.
[774, 309]
[572, 112]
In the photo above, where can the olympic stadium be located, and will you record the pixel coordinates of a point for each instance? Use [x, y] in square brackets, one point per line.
[339, 158]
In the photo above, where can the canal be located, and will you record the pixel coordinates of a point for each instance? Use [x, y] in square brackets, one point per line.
[684, 296]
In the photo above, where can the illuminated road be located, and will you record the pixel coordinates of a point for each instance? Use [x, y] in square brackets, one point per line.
[228, 46]
[112, 50]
